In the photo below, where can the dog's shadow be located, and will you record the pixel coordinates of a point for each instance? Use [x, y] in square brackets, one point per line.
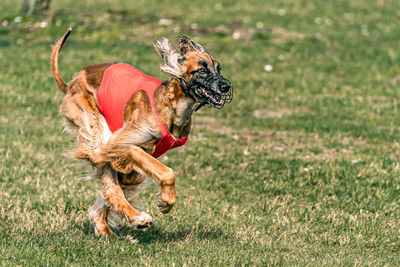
[156, 234]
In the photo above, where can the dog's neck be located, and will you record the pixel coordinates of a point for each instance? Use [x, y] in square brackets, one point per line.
[180, 105]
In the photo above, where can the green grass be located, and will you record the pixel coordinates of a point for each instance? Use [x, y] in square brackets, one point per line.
[302, 168]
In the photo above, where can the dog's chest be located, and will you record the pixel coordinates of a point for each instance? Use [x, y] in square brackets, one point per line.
[183, 111]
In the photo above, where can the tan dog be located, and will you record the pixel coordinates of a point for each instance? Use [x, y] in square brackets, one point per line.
[124, 158]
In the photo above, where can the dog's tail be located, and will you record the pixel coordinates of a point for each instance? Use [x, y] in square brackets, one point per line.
[54, 60]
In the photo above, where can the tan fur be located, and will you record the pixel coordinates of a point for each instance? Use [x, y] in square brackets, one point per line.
[170, 56]
[123, 159]
[54, 60]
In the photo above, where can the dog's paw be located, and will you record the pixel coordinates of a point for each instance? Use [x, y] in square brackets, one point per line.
[142, 221]
[163, 207]
[131, 239]
[166, 199]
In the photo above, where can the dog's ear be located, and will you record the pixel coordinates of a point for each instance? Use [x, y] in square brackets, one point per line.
[171, 58]
[186, 45]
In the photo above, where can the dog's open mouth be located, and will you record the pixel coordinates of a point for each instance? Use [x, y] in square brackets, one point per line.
[212, 98]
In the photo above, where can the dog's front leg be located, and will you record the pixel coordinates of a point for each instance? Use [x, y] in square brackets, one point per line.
[125, 158]
[136, 159]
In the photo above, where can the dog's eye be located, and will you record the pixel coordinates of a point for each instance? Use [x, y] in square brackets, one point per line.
[201, 71]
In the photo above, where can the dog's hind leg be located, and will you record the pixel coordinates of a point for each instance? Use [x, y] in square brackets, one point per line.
[114, 197]
[98, 214]
[84, 121]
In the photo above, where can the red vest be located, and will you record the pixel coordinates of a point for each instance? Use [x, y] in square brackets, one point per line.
[120, 81]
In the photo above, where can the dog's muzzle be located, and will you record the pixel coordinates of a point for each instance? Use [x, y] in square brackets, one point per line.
[214, 92]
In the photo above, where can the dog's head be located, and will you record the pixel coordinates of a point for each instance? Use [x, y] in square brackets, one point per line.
[198, 72]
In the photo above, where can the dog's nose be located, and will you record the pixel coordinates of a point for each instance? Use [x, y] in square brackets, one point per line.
[225, 87]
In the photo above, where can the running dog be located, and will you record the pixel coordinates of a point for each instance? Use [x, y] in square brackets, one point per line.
[124, 119]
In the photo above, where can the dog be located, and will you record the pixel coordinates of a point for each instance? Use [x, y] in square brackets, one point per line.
[122, 139]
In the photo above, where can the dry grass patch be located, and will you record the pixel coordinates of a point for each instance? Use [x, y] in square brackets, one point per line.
[289, 144]
[278, 113]
[281, 35]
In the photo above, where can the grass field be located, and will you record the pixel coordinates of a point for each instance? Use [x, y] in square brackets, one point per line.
[302, 168]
